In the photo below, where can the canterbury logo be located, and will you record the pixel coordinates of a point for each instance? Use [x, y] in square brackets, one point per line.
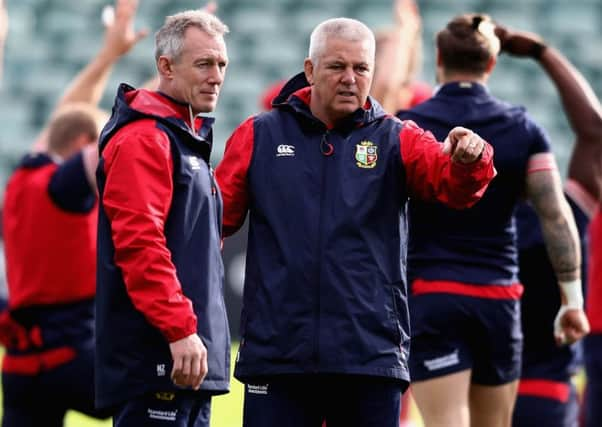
[194, 163]
[285, 150]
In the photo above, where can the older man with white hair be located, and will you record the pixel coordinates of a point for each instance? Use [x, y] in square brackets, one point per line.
[326, 176]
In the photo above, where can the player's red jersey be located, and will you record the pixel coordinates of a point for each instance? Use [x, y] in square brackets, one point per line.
[50, 251]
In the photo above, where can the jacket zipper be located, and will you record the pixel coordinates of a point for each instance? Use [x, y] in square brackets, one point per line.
[316, 355]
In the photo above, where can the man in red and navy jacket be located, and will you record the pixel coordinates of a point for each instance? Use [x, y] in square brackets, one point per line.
[326, 176]
[163, 344]
[49, 228]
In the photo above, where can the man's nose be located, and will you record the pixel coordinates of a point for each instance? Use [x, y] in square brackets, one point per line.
[348, 76]
[216, 75]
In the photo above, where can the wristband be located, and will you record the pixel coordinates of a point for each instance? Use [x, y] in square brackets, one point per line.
[573, 293]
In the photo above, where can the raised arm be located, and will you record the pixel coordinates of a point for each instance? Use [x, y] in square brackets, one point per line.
[544, 188]
[580, 103]
[120, 37]
[89, 84]
[396, 49]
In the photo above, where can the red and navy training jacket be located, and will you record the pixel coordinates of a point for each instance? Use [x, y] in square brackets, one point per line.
[476, 246]
[325, 284]
[49, 231]
[160, 271]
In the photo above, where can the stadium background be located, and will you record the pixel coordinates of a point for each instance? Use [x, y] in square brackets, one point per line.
[50, 40]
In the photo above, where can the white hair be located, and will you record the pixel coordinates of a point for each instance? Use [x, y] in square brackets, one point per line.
[342, 28]
[169, 40]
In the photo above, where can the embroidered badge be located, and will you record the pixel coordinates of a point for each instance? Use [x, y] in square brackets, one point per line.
[365, 154]
[285, 150]
[165, 395]
[194, 163]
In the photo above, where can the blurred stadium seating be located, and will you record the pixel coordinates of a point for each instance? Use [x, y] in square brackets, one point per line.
[50, 39]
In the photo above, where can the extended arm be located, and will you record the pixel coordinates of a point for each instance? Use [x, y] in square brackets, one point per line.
[455, 173]
[580, 103]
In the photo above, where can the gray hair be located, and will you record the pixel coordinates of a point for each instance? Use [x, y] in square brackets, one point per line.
[169, 40]
[343, 28]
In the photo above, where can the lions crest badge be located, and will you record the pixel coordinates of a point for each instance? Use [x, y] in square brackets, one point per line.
[365, 154]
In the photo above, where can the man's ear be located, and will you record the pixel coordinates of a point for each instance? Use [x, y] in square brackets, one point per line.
[491, 64]
[84, 140]
[308, 68]
[164, 66]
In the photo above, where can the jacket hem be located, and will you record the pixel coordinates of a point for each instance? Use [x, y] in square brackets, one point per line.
[111, 399]
[247, 373]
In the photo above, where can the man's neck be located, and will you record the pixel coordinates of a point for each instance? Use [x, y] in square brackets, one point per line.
[464, 77]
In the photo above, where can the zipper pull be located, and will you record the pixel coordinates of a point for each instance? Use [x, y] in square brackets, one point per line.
[326, 147]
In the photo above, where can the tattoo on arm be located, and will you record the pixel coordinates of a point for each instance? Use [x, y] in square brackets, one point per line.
[544, 191]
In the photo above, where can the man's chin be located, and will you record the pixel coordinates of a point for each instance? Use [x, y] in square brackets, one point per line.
[346, 109]
[204, 108]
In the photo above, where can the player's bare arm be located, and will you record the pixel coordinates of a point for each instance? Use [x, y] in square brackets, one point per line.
[544, 191]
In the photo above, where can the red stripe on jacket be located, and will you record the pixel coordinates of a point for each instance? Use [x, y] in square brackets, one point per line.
[514, 291]
[432, 175]
[137, 197]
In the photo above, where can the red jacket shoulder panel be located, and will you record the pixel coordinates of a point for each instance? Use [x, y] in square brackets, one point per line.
[231, 175]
